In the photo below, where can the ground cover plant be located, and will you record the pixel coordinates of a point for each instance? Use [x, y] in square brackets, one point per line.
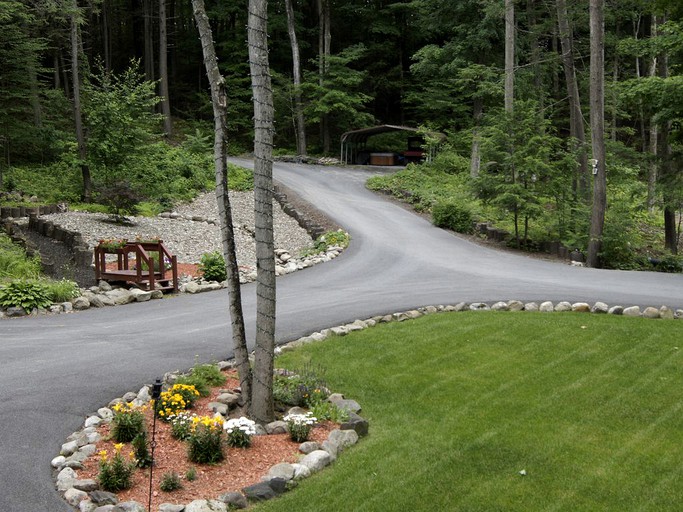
[490, 411]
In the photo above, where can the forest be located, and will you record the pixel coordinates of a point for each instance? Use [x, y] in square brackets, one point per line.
[104, 97]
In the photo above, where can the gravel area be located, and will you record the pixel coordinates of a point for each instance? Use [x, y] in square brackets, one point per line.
[189, 239]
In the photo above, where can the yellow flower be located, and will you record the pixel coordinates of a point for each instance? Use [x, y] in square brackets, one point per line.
[103, 455]
[118, 447]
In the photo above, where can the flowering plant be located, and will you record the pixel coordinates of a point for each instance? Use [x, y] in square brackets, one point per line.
[115, 473]
[170, 403]
[112, 244]
[188, 392]
[128, 421]
[239, 431]
[299, 426]
[205, 441]
[181, 424]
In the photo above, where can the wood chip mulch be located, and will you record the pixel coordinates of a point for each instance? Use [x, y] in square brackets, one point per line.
[240, 468]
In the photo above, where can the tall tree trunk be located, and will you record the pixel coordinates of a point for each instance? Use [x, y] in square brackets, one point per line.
[324, 48]
[296, 71]
[597, 117]
[55, 70]
[509, 54]
[75, 75]
[163, 70]
[262, 394]
[576, 127]
[35, 96]
[149, 40]
[220, 153]
[106, 39]
[654, 135]
[475, 159]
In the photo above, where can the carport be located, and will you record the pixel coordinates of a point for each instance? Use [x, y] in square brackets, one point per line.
[354, 144]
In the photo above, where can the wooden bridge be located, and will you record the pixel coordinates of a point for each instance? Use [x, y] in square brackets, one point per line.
[145, 264]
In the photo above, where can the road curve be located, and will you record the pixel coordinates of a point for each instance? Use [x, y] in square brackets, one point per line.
[56, 370]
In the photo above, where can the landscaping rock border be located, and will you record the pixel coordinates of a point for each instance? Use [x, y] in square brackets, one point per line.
[84, 494]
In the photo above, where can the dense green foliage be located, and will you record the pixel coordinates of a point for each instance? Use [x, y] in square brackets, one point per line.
[460, 403]
[24, 293]
[212, 267]
[404, 62]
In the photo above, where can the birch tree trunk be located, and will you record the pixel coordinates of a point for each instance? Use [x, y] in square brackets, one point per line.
[163, 70]
[220, 153]
[597, 117]
[78, 119]
[296, 71]
[262, 93]
[576, 127]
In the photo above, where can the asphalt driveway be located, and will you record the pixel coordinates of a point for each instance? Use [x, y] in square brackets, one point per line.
[55, 370]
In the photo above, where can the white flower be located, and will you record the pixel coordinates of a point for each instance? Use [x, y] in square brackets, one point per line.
[244, 424]
[301, 419]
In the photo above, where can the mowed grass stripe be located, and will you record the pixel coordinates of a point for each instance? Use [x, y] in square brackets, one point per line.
[459, 403]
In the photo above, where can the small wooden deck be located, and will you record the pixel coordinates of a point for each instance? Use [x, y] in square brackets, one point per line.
[141, 263]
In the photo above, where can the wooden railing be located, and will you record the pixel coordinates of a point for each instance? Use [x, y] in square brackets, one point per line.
[143, 269]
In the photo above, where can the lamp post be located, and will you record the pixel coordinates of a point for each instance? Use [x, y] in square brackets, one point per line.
[156, 393]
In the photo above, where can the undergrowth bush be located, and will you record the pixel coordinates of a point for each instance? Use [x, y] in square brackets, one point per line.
[205, 442]
[24, 293]
[453, 215]
[62, 290]
[212, 266]
[128, 422]
[116, 474]
[240, 179]
[327, 240]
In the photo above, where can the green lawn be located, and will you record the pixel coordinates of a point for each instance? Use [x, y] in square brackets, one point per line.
[459, 403]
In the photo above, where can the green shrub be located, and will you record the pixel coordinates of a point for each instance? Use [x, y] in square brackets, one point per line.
[205, 443]
[670, 263]
[170, 482]
[328, 411]
[240, 432]
[191, 474]
[14, 264]
[299, 426]
[203, 377]
[212, 266]
[337, 238]
[128, 422]
[305, 388]
[62, 290]
[24, 293]
[240, 179]
[180, 425]
[143, 458]
[452, 215]
[115, 474]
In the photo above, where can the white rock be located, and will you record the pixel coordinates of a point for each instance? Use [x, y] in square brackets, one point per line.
[632, 311]
[546, 307]
[317, 460]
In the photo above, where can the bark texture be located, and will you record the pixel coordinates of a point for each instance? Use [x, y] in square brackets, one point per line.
[78, 118]
[262, 393]
[576, 127]
[220, 153]
[163, 70]
[296, 72]
[597, 116]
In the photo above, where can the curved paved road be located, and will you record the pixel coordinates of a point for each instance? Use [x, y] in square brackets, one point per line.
[55, 370]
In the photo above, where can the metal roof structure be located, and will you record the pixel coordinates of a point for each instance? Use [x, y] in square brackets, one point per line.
[355, 140]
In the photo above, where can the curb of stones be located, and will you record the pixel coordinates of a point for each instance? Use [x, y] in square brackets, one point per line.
[664, 312]
[281, 477]
[84, 494]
